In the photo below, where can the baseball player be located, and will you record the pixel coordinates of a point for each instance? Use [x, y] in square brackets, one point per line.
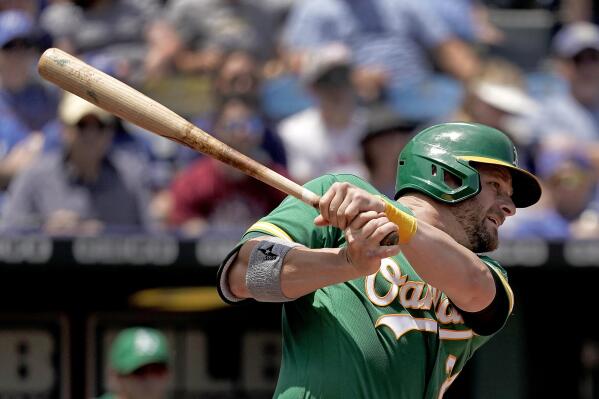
[361, 320]
[139, 365]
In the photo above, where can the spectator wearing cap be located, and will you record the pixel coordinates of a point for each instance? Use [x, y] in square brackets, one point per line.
[392, 40]
[138, 365]
[325, 138]
[570, 206]
[497, 97]
[85, 187]
[575, 111]
[385, 135]
[27, 106]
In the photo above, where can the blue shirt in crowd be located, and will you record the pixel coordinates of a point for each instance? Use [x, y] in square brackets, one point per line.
[395, 34]
[30, 109]
[562, 114]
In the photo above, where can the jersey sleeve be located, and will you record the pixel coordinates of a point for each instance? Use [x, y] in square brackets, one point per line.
[500, 272]
[491, 319]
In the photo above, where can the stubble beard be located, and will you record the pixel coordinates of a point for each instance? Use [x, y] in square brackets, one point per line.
[472, 217]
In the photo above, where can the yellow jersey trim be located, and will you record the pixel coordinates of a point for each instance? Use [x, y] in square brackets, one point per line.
[507, 287]
[269, 228]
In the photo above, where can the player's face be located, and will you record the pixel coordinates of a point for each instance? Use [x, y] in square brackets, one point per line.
[481, 215]
[149, 382]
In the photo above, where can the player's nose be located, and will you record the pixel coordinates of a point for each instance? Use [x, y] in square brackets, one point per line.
[507, 206]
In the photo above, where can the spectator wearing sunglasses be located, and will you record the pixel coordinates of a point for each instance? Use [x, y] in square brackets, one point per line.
[575, 111]
[138, 365]
[26, 105]
[87, 186]
[210, 193]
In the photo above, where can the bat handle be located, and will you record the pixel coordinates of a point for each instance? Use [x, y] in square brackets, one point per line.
[310, 198]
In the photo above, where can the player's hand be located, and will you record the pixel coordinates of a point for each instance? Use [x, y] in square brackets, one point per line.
[342, 203]
[364, 251]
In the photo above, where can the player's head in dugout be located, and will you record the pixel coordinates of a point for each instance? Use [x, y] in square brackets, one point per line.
[451, 162]
[138, 365]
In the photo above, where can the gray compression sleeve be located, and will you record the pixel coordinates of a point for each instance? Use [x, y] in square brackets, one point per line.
[263, 278]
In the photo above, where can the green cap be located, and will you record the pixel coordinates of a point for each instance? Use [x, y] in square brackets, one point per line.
[137, 347]
[451, 148]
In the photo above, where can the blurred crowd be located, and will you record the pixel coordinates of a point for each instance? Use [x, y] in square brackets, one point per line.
[305, 87]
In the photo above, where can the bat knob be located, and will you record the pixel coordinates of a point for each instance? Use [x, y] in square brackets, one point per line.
[390, 239]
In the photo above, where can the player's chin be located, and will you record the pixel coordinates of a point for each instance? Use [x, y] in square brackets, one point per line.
[492, 232]
[487, 241]
[492, 246]
[492, 240]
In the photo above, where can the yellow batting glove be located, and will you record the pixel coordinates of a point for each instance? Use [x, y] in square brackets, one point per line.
[406, 223]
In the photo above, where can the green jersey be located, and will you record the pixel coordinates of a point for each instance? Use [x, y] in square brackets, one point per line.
[387, 335]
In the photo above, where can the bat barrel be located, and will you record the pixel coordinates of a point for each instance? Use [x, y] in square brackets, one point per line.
[110, 94]
[116, 97]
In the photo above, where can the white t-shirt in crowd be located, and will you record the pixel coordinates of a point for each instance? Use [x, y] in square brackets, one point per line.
[313, 150]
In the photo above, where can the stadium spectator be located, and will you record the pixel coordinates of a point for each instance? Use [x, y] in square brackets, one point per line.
[139, 365]
[497, 97]
[575, 112]
[392, 40]
[168, 158]
[238, 75]
[385, 135]
[570, 207]
[209, 192]
[86, 187]
[578, 10]
[468, 20]
[325, 137]
[109, 34]
[31, 7]
[202, 33]
[26, 105]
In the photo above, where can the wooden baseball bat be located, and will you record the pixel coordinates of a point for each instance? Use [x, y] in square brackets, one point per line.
[116, 97]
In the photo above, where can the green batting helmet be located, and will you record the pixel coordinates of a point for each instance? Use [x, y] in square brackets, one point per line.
[450, 148]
